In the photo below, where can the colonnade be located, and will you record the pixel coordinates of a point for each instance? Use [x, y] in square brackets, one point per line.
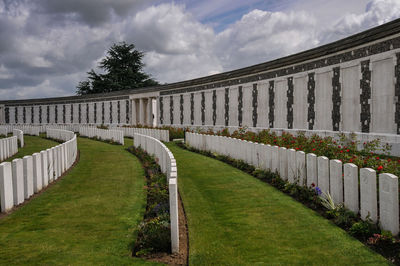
[143, 111]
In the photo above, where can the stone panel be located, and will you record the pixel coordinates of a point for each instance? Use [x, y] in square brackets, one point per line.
[351, 107]
[197, 108]
[247, 110]
[280, 104]
[186, 109]
[300, 103]
[262, 104]
[383, 97]
[233, 106]
[323, 101]
[220, 111]
[106, 114]
[208, 108]
[177, 109]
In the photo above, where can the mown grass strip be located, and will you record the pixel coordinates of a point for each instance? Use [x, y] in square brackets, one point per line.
[89, 217]
[33, 144]
[236, 219]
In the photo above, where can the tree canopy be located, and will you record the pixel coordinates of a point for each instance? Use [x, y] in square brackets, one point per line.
[122, 70]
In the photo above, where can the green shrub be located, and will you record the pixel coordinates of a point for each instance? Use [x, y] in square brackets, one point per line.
[363, 229]
[154, 236]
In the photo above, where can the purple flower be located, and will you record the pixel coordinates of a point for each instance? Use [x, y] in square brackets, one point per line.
[318, 191]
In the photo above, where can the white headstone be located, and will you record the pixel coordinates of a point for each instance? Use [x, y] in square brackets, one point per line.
[323, 173]
[28, 176]
[389, 202]
[301, 168]
[312, 173]
[291, 164]
[6, 187]
[173, 203]
[275, 159]
[351, 201]
[336, 180]
[18, 181]
[368, 197]
[37, 172]
[45, 176]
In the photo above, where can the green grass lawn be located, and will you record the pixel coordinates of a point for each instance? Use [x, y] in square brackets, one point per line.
[235, 219]
[87, 218]
[33, 144]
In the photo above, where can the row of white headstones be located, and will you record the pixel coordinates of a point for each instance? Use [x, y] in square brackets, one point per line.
[21, 178]
[345, 183]
[8, 147]
[167, 163]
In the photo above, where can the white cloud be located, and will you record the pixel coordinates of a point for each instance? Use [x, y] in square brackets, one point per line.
[261, 35]
[177, 46]
[377, 12]
[39, 59]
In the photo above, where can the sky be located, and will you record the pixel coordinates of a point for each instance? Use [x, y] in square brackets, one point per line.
[48, 46]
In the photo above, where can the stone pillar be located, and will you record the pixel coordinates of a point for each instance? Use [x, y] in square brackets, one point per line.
[149, 112]
[133, 112]
[141, 111]
[156, 112]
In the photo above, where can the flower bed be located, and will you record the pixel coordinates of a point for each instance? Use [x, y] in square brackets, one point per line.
[372, 154]
[154, 231]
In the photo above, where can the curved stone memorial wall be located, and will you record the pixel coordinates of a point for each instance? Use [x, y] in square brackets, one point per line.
[349, 85]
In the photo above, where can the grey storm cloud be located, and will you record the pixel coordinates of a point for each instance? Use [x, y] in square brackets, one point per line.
[91, 12]
[47, 46]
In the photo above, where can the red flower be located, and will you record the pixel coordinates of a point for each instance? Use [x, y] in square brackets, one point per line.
[313, 149]
[380, 167]
[312, 184]
[377, 158]
[347, 150]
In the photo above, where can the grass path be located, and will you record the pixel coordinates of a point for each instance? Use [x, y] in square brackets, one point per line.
[33, 144]
[235, 219]
[87, 218]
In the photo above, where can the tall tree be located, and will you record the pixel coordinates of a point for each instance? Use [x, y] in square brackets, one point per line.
[122, 70]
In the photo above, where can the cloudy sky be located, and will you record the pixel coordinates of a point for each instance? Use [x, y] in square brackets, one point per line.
[47, 46]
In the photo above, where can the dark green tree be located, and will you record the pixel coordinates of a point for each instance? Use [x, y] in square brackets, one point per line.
[123, 69]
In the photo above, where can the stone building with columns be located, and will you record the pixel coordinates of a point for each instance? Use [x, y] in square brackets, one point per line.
[349, 85]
